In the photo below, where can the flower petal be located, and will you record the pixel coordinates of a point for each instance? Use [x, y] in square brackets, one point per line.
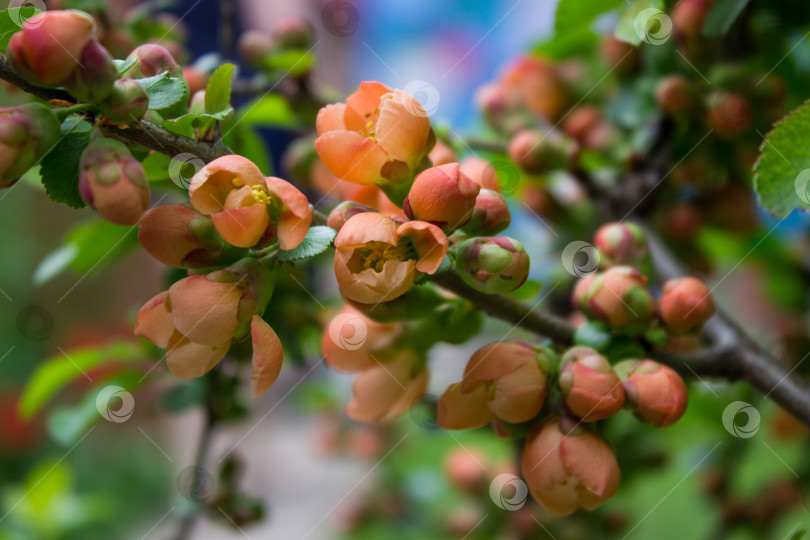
[210, 186]
[380, 389]
[242, 227]
[370, 287]
[429, 242]
[188, 360]
[267, 356]
[154, 321]
[403, 128]
[366, 227]
[330, 118]
[205, 311]
[457, 410]
[295, 216]
[366, 100]
[351, 156]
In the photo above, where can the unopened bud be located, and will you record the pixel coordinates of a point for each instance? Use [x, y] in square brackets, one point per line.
[254, 47]
[151, 60]
[293, 33]
[730, 114]
[535, 152]
[591, 388]
[491, 214]
[127, 103]
[93, 81]
[653, 391]
[27, 133]
[492, 265]
[443, 196]
[674, 95]
[344, 211]
[685, 304]
[621, 244]
[619, 297]
[113, 183]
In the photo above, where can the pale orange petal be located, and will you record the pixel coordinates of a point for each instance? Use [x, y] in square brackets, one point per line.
[188, 360]
[370, 287]
[457, 410]
[366, 100]
[242, 227]
[429, 242]
[295, 216]
[154, 321]
[205, 311]
[210, 186]
[351, 156]
[267, 356]
[330, 118]
[367, 227]
[403, 128]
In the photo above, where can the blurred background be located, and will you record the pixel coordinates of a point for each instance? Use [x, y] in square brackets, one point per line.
[69, 290]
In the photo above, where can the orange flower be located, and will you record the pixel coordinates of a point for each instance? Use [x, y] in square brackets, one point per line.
[199, 316]
[567, 469]
[655, 392]
[385, 390]
[442, 195]
[243, 204]
[377, 260]
[352, 340]
[504, 380]
[378, 136]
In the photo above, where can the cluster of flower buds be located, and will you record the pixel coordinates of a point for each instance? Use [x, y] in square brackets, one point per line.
[199, 317]
[619, 296]
[113, 182]
[27, 133]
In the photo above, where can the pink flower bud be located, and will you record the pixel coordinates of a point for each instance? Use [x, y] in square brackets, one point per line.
[293, 33]
[685, 304]
[196, 79]
[385, 390]
[621, 244]
[536, 152]
[491, 214]
[619, 297]
[27, 133]
[254, 47]
[443, 196]
[506, 380]
[653, 391]
[95, 77]
[569, 469]
[730, 114]
[674, 96]
[591, 388]
[49, 47]
[151, 60]
[496, 264]
[344, 211]
[688, 18]
[113, 183]
[127, 103]
[481, 172]
[178, 236]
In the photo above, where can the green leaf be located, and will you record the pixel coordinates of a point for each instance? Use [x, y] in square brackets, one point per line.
[58, 371]
[626, 29]
[88, 246]
[317, 240]
[269, 110]
[123, 65]
[218, 91]
[156, 167]
[11, 22]
[528, 290]
[593, 334]
[782, 171]
[575, 14]
[60, 167]
[722, 16]
[164, 91]
[294, 62]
